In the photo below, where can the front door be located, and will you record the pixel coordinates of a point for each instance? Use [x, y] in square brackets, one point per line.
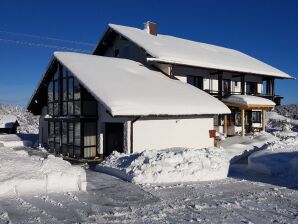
[248, 121]
[113, 138]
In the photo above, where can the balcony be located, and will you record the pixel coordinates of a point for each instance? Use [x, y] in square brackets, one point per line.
[223, 94]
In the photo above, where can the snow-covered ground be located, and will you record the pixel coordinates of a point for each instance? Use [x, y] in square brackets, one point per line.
[111, 200]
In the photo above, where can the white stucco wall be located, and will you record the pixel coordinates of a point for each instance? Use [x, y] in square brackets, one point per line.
[166, 133]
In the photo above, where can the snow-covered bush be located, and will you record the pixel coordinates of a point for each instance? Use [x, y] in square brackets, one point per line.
[28, 122]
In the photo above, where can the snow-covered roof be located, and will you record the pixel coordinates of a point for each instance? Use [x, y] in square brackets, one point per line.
[169, 49]
[7, 121]
[128, 88]
[248, 100]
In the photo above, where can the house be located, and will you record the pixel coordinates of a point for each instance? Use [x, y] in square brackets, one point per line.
[143, 90]
[8, 124]
[219, 71]
[92, 105]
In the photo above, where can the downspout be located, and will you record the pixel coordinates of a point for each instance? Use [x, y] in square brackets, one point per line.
[131, 133]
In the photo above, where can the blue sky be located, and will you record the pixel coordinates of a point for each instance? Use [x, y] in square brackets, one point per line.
[267, 30]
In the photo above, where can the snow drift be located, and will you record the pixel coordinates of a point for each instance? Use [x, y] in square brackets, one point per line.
[173, 165]
[21, 173]
[282, 163]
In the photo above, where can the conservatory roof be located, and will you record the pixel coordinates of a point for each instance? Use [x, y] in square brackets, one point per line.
[173, 50]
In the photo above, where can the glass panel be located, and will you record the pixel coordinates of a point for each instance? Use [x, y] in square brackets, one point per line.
[57, 137]
[70, 108]
[89, 133]
[50, 92]
[57, 132]
[90, 152]
[56, 109]
[64, 108]
[64, 89]
[50, 109]
[77, 92]
[65, 72]
[77, 152]
[89, 108]
[51, 147]
[77, 134]
[56, 90]
[77, 107]
[70, 88]
[70, 150]
[251, 87]
[64, 150]
[256, 116]
[237, 118]
[56, 76]
[226, 86]
[70, 133]
[51, 131]
[64, 133]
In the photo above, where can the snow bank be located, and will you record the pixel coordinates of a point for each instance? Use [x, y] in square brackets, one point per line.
[238, 147]
[282, 162]
[24, 174]
[12, 140]
[173, 165]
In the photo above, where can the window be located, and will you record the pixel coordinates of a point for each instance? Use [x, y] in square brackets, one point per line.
[251, 88]
[126, 52]
[256, 117]
[77, 134]
[226, 86]
[77, 140]
[51, 133]
[70, 88]
[196, 81]
[50, 109]
[237, 120]
[67, 98]
[53, 94]
[116, 52]
[70, 133]
[50, 92]
[64, 133]
[57, 137]
[77, 92]
[89, 139]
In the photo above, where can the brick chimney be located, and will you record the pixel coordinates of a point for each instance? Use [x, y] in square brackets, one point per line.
[150, 28]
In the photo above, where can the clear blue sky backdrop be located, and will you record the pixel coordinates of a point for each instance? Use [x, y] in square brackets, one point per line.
[267, 30]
